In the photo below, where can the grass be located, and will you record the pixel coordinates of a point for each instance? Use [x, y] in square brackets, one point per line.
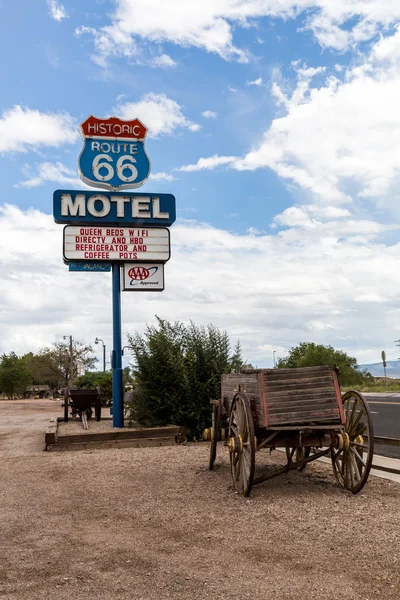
[393, 385]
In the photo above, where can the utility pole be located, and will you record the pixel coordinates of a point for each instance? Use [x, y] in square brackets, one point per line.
[71, 362]
[383, 355]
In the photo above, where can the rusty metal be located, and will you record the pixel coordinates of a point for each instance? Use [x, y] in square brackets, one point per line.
[291, 466]
[267, 440]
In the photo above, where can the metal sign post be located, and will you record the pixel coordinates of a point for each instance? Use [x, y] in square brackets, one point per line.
[108, 229]
[117, 380]
[383, 355]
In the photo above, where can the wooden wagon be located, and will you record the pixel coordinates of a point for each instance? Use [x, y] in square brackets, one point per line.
[301, 410]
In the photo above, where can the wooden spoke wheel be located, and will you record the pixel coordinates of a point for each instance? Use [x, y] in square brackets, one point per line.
[354, 448]
[296, 454]
[242, 445]
[215, 427]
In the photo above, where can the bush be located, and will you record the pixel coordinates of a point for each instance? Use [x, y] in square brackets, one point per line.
[178, 370]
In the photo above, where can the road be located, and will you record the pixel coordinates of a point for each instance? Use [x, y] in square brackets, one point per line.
[385, 408]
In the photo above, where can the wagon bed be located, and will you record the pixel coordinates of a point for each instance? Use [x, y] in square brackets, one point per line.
[282, 397]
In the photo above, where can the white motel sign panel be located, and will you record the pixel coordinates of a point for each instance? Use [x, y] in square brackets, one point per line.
[116, 244]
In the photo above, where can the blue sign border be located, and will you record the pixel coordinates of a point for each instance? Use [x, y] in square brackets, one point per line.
[166, 205]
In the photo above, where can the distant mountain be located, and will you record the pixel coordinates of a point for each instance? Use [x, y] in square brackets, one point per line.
[376, 369]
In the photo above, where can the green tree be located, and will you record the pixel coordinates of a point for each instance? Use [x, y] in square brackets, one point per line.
[38, 370]
[56, 361]
[14, 376]
[177, 371]
[97, 379]
[309, 354]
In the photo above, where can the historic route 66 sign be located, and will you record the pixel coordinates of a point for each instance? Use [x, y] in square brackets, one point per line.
[113, 155]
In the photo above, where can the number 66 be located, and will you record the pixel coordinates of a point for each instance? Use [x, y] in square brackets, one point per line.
[102, 161]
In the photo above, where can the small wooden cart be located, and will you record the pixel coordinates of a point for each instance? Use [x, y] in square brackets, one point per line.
[301, 410]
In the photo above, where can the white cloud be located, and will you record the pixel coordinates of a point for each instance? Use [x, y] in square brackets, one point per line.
[22, 128]
[161, 176]
[318, 286]
[56, 10]
[47, 172]
[339, 140]
[160, 114]
[209, 114]
[334, 139]
[208, 163]
[309, 215]
[210, 24]
[257, 82]
[164, 61]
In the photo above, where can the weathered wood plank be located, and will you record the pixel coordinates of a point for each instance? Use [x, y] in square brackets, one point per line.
[296, 385]
[297, 391]
[305, 417]
[125, 434]
[277, 375]
[296, 395]
[51, 433]
[300, 381]
[99, 444]
[282, 406]
[290, 371]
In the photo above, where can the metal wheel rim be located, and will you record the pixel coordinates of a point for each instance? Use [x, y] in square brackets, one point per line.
[215, 424]
[242, 463]
[297, 454]
[352, 465]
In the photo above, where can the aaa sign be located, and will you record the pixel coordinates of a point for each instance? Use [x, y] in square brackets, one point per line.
[125, 244]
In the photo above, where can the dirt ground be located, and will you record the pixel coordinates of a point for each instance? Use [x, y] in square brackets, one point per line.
[154, 523]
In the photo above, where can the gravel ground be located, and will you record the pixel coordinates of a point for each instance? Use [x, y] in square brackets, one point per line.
[154, 523]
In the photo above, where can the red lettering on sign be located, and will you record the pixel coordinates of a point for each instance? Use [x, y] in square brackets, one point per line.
[114, 127]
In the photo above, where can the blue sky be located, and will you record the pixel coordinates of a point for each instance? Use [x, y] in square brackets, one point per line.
[275, 125]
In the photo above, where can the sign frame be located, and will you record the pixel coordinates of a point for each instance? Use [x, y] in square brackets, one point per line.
[126, 267]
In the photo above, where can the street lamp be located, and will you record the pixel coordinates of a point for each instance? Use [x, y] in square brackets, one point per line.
[273, 354]
[71, 363]
[124, 349]
[96, 341]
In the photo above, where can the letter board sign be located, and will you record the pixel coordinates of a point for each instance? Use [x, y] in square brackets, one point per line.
[110, 244]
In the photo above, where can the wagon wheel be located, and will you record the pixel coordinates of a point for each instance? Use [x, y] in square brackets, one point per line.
[352, 454]
[241, 443]
[215, 425]
[297, 454]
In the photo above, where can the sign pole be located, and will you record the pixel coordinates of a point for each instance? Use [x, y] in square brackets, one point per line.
[117, 377]
[107, 231]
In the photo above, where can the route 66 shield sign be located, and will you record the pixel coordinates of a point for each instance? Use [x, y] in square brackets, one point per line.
[113, 156]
